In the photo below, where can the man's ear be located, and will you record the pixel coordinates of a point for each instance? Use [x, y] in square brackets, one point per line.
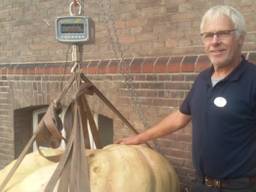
[241, 40]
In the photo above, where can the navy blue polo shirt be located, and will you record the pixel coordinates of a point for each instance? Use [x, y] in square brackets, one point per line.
[224, 123]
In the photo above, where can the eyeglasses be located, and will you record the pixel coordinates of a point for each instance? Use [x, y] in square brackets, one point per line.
[208, 36]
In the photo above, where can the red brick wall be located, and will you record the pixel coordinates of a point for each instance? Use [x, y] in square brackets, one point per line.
[6, 119]
[143, 28]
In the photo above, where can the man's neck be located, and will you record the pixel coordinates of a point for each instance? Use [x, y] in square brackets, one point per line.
[222, 72]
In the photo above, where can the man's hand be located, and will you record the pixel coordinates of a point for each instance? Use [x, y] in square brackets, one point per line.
[169, 124]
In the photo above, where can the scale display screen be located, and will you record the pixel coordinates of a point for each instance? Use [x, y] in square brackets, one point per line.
[74, 29]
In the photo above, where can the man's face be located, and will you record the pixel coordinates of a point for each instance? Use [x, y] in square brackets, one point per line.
[221, 44]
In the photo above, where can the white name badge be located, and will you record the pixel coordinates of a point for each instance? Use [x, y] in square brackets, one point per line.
[220, 102]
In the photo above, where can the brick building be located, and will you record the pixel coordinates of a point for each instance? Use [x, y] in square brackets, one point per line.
[145, 58]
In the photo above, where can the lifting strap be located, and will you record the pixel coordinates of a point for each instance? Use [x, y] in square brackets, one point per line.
[72, 170]
[49, 134]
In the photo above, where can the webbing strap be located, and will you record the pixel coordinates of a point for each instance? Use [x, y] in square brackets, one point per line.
[72, 170]
[53, 123]
[111, 106]
[95, 132]
[68, 123]
[68, 120]
[84, 124]
[50, 128]
[86, 115]
[17, 163]
[65, 178]
[63, 161]
[53, 158]
[79, 166]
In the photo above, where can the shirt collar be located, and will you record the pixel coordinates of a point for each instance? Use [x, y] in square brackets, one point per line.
[233, 76]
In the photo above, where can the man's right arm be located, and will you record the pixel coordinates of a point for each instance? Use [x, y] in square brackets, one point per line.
[169, 124]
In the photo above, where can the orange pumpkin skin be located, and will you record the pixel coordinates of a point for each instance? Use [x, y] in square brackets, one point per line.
[114, 168]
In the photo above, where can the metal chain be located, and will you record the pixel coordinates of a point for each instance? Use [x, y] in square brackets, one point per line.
[108, 19]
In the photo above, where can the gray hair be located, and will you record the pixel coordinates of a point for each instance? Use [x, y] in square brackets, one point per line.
[224, 10]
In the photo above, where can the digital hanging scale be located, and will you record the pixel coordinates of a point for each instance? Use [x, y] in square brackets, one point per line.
[75, 29]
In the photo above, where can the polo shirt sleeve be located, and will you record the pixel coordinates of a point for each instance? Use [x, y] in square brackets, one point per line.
[254, 101]
[185, 106]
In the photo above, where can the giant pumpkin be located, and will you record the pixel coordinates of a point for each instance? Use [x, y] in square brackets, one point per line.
[115, 168]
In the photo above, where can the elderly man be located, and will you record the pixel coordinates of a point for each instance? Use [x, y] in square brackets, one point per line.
[222, 107]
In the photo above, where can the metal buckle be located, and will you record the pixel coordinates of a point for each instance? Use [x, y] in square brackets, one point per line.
[214, 183]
